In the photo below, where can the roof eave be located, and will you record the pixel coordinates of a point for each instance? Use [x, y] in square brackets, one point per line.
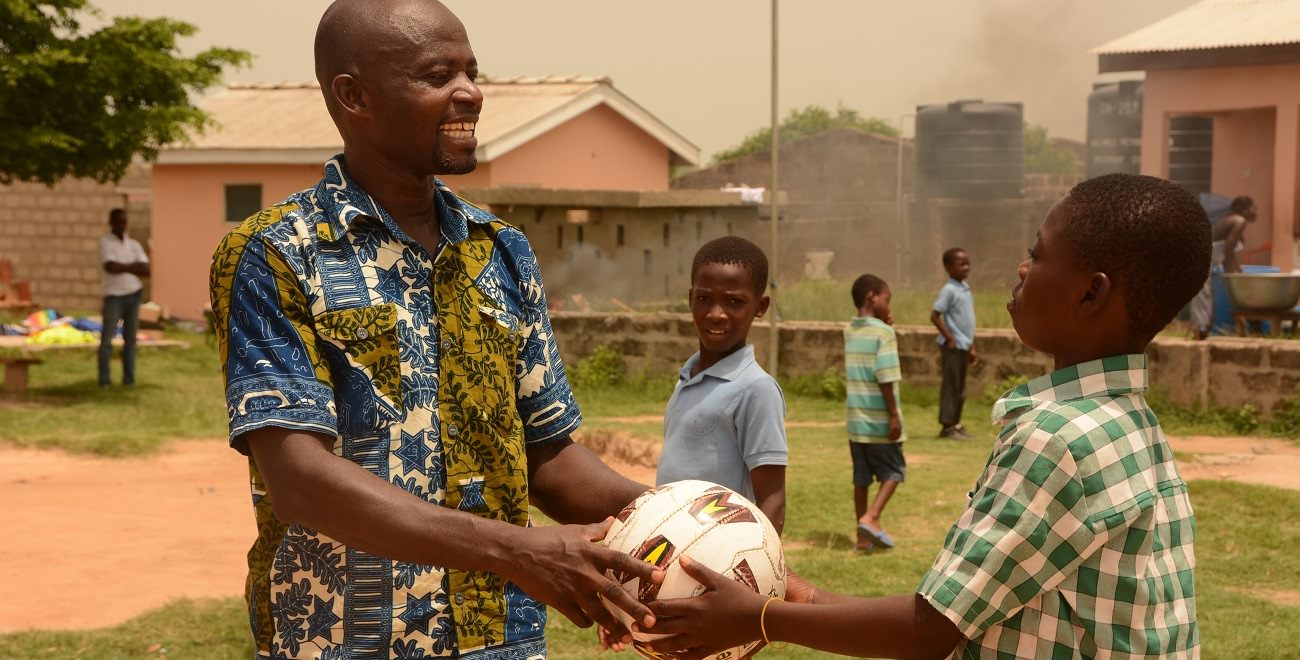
[1199, 58]
[681, 150]
[219, 156]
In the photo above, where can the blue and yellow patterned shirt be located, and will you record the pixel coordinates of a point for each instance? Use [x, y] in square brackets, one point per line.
[433, 372]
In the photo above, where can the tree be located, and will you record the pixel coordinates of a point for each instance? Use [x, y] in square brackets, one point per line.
[84, 104]
[810, 120]
[1043, 157]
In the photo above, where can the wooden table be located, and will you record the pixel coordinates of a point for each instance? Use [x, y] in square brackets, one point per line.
[17, 356]
[1277, 318]
[16, 373]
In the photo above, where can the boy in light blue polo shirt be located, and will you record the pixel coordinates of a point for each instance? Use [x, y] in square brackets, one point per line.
[725, 422]
[954, 316]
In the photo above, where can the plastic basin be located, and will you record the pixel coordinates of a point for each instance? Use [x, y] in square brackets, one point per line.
[1263, 291]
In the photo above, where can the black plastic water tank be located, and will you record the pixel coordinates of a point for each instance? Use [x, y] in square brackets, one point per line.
[970, 149]
[1115, 128]
[1191, 152]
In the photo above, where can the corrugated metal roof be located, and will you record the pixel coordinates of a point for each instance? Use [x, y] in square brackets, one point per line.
[1215, 24]
[291, 117]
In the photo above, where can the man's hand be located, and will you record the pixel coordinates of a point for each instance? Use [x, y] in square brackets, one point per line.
[895, 426]
[974, 357]
[564, 567]
[726, 615]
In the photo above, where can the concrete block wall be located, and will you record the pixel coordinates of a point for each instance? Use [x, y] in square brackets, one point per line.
[1226, 373]
[51, 234]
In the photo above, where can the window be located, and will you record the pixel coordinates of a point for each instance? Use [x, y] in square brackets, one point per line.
[618, 236]
[645, 256]
[242, 201]
[667, 228]
[580, 235]
[559, 237]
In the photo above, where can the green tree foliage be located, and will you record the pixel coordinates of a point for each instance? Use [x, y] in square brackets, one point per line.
[1043, 157]
[82, 104]
[807, 121]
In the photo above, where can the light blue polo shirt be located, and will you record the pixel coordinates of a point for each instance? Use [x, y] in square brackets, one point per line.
[957, 304]
[722, 423]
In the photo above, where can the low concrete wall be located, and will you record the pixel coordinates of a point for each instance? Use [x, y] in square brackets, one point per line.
[1226, 373]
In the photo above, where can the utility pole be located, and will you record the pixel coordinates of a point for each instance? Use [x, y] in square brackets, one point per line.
[904, 245]
[774, 344]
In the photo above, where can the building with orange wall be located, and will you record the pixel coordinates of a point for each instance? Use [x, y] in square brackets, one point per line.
[1237, 62]
[269, 141]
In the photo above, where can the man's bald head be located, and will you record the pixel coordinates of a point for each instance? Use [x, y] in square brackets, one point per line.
[355, 35]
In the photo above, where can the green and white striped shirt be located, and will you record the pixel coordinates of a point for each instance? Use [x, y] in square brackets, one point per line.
[1077, 541]
[870, 358]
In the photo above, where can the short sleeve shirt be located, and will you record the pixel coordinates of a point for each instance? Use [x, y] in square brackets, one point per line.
[722, 423]
[957, 304]
[125, 250]
[870, 360]
[1077, 540]
[327, 322]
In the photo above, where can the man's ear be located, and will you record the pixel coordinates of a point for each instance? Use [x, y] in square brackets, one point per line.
[762, 306]
[1096, 295]
[349, 95]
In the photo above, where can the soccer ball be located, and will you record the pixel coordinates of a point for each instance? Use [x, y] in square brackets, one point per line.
[713, 524]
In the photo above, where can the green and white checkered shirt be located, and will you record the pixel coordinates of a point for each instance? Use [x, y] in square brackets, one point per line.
[1077, 539]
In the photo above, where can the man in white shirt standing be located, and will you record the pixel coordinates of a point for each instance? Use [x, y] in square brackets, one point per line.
[124, 264]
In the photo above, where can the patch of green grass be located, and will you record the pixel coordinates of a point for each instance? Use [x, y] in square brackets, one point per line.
[178, 395]
[212, 629]
[1247, 534]
[830, 300]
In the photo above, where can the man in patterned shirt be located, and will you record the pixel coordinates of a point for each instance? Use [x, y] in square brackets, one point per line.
[1077, 540]
[392, 375]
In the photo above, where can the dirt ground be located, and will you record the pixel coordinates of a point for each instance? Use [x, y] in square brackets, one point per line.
[93, 542]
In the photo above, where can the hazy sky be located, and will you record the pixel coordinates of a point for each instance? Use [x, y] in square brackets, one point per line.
[702, 66]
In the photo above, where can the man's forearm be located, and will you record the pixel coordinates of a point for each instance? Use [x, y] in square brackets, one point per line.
[572, 485]
[312, 487]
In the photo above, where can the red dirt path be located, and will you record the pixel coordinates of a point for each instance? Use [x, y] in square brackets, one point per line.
[92, 542]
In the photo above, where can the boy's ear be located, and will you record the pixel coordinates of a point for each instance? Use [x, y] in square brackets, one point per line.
[1096, 295]
[762, 306]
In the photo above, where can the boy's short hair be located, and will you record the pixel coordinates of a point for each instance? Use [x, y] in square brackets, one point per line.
[950, 255]
[1241, 204]
[867, 285]
[734, 250]
[1151, 236]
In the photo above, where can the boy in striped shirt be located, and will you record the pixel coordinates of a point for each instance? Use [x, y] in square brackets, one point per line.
[871, 375]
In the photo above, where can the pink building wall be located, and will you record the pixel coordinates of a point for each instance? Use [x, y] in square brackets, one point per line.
[598, 149]
[189, 219]
[1258, 158]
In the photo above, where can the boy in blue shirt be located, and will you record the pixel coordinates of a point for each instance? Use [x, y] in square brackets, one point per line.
[954, 316]
[725, 422]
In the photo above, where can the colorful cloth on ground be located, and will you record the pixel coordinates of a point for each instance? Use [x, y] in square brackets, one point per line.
[1077, 541]
[870, 358]
[957, 304]
[432, 371]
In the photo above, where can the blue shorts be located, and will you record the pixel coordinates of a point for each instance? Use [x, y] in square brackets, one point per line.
[883, 462]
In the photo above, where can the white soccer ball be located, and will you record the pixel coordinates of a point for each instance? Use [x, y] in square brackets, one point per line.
[715, 526]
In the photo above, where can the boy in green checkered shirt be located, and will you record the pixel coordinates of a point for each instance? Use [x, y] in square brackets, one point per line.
[1077, 539]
